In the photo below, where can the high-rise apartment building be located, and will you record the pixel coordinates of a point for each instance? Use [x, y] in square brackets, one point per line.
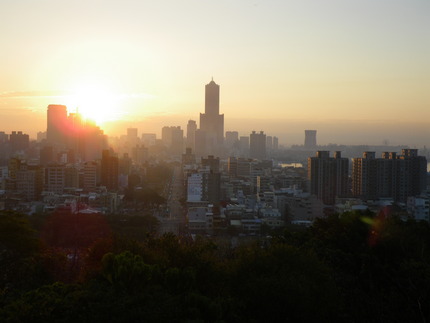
[257, 145]
[391, 176]
[211, 122]
[328, 176]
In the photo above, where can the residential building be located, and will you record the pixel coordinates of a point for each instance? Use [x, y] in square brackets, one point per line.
[328, 176]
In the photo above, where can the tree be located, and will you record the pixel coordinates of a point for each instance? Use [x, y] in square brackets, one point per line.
[18, 247]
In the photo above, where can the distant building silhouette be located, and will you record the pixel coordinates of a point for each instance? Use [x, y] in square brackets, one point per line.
[231, 138]
[109, 170]
[275, 143]
[149, 139]
[200, 143]
[269, 144]
[244, 145]
[328, 176]
[57, 125]
[3, 137]
[173, 139]
[18, 141]
[310, 138]
[70, 132]
[41, 136]
[211, 122]
[191, 134]
[257, 145]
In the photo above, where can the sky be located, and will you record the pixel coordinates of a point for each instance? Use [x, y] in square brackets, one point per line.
[356, 71]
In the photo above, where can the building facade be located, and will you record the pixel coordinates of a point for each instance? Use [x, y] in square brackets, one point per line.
[328, 176]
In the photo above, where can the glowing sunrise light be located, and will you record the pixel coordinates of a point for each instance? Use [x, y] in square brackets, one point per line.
[96, 103]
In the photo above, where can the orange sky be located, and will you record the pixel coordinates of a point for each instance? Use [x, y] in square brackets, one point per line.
[353, 70]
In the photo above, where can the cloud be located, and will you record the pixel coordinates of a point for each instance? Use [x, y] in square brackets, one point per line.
[60, 94]
[33, 94]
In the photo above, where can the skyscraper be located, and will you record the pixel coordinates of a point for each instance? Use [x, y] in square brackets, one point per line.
[257, 145]
[211, 122]
[191, 134]
[57, 124]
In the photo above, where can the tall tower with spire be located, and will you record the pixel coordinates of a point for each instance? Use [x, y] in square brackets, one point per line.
[211, 122]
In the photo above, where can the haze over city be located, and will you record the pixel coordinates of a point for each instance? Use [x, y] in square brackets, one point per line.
[214, 161]
[358, 72]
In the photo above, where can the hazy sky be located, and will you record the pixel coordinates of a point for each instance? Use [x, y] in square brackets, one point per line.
[357, 71]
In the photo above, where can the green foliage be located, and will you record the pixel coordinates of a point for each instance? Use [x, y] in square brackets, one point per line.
[281, 284]
[127, 271]
[134, 227]
[17, 238]
[379, 263]
[74, 230]
[356, 267]
[18, 247]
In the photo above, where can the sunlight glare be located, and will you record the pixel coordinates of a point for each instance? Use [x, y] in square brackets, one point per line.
[95, 102]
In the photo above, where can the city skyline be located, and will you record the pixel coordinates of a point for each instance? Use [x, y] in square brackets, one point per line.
[356, 72]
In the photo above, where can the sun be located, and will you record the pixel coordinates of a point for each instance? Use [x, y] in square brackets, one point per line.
[95, 102]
